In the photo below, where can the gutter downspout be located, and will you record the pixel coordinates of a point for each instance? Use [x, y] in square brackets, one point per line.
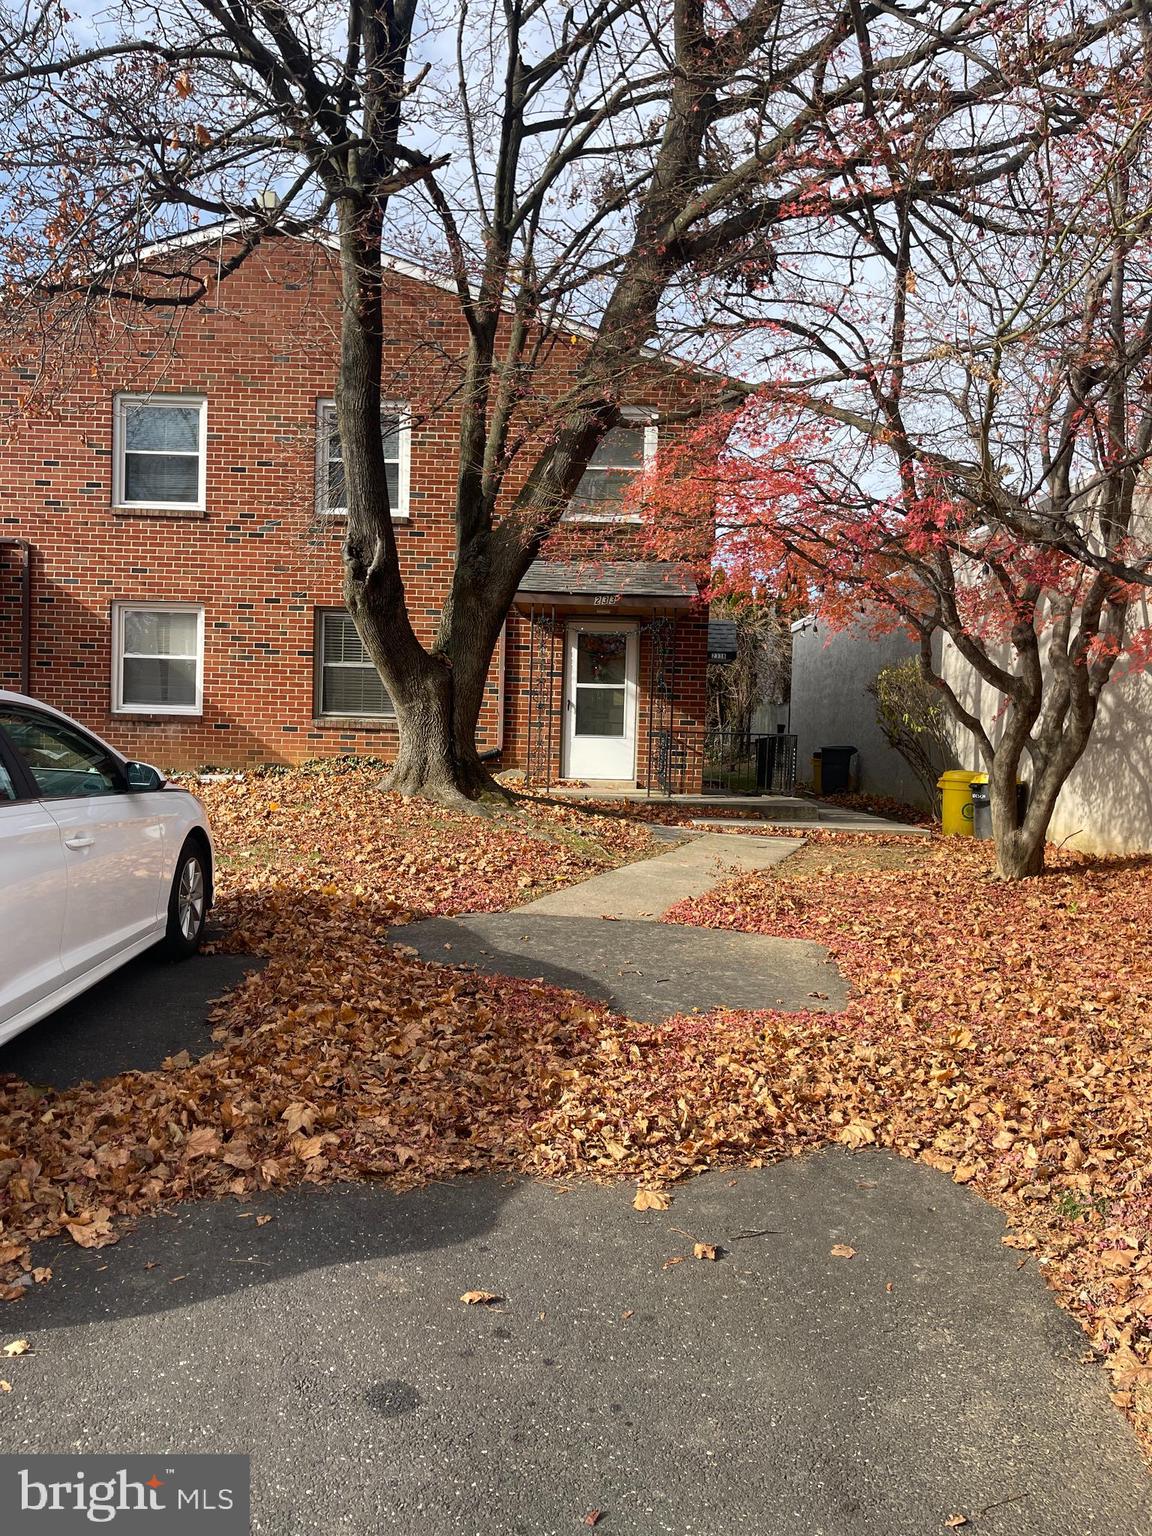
[25, 611]
[493, 754]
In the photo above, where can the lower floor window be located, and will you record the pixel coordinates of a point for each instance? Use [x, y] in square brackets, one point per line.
[347, 683]
[158, 658]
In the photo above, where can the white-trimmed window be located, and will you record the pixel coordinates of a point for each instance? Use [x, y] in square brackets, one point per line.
[625, 452]
[396, 435]
[348, 685]
[159, 451]
[157, 659]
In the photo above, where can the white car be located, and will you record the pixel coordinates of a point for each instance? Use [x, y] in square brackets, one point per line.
[99, 860]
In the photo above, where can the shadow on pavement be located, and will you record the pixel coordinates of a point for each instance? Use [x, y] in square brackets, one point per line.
[149, 1009]
[198, 1251]
[645, 970]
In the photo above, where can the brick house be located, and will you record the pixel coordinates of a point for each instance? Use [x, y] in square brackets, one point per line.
[170, 542]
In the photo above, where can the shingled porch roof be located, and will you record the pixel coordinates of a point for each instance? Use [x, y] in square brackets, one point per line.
[607, 583]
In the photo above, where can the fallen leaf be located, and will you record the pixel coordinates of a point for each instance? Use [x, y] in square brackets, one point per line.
[651, 1200]
[262, 1221]
[480, 1298]
[705, 1251]
[17, 1347]
[5, 1386]
[203, 1142]
[842, 1251]
[299, 1117]
[593, 1517]
[954, 1522]
[91, 1229]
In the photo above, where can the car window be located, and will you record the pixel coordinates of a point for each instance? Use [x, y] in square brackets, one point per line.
[7, 788]
[64, 763]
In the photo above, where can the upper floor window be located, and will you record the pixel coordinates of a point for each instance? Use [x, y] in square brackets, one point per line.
[158, 658]
[158, 451]
[625, 452]
[396, 435]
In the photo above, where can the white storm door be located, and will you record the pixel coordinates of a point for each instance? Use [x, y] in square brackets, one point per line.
[600, 708]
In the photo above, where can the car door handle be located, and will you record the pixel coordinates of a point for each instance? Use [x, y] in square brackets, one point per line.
[81, 840]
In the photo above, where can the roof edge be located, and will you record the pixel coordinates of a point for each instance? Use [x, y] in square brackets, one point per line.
[417, 272]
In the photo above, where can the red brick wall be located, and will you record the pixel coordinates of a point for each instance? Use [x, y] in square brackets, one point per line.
[262, 348]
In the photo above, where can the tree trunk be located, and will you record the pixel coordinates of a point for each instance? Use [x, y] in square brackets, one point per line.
[1019, 846]
[1019, 850]
[1021, 842]
[436, 712]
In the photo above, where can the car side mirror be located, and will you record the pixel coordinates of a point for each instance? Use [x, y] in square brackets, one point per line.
[142, 776]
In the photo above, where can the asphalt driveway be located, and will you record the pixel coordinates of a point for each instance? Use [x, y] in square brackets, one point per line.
[149, 1009]
[778, 1390]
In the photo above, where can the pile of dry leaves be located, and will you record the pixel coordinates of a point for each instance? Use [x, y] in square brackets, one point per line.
[329, 833]
[1001, 1034]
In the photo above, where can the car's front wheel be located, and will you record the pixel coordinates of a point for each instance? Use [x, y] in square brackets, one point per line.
[188, 903]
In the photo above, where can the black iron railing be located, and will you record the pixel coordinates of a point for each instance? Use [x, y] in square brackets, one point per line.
[722, 762]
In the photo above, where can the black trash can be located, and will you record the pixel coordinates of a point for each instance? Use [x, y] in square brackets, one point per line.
[836, 770]
[765, 762]
[981, 809]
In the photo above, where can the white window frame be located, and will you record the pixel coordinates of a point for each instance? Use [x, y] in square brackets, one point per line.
[319, 667]
[326, 411]
[629, 415]
[120, 406]
[119, 705]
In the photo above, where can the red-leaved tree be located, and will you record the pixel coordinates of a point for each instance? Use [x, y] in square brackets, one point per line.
[955, 443]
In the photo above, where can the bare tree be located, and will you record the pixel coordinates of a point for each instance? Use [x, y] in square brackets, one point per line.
[646, 170]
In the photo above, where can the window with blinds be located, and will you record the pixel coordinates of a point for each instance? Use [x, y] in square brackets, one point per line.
[396, 439]
[347, 684]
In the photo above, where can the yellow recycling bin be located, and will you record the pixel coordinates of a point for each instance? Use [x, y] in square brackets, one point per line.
[955, 788]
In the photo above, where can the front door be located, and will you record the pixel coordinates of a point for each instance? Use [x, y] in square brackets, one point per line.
[600, 708]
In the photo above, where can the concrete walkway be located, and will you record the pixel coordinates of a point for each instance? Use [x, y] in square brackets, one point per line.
[648, 888]
[602, 938]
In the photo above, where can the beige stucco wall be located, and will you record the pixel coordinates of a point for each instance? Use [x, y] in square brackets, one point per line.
[1106, 805]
